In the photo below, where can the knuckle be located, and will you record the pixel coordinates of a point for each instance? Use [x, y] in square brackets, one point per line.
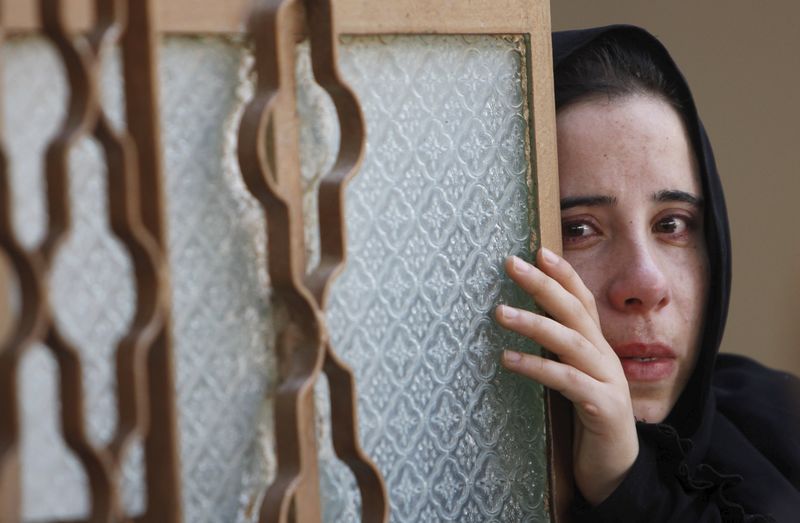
[530, 320]
[576, 340]
[575, 307]
[585, 346]
[538, 284]
[587, 298]
[565, 265]
[574, 376]
[545, 284]
[591, 408]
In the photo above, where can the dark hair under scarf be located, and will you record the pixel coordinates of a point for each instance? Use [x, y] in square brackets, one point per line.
[730, 448]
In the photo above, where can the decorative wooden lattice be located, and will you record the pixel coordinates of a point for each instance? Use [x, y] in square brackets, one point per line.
[269, 151]
[143, 355]
[269, 157]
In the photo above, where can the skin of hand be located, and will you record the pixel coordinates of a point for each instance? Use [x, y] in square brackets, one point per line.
[588, 372]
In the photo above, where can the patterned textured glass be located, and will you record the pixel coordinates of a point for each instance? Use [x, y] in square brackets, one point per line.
[441, 200]
[221, 312]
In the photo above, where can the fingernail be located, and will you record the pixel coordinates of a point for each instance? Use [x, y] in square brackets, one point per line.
[549, 256]
[519, 265]
[511, 356]
[508, 312]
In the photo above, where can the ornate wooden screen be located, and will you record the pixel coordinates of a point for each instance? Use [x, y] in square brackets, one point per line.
[458, 171]
[143, 355]
[458, 102]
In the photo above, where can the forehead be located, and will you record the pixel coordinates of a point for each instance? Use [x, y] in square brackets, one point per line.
[634, 145]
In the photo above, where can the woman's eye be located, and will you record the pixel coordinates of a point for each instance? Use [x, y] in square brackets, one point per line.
[674, 225]
[577, 233]
[576, 230]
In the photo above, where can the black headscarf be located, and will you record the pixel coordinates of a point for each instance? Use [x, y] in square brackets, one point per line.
[730, 448]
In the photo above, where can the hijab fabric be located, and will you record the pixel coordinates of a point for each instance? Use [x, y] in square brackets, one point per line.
[730, 448]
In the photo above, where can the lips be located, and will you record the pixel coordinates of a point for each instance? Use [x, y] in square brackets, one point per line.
[646, 361]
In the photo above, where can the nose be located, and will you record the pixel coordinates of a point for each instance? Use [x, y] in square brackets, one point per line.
[639, 284]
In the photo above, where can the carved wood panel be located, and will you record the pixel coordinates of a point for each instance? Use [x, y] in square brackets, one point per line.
[217, 222]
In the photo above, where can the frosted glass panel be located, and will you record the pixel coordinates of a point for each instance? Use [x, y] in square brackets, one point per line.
[441, 200]
[222, 320]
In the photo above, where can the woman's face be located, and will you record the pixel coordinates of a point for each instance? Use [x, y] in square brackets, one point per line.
[632, 220]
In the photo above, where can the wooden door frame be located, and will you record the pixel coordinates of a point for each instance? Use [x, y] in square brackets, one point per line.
[527, 18]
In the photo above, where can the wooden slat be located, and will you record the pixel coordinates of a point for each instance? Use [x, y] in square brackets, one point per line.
[140, 70]
[5, 306]
[353, 16]
[545, 159]
[10, 477]
[422, 16]
[268, 156]
[81, 57]
[24, 15]
[324, 39]
[176, 16]
[543, 124]
[82, 102]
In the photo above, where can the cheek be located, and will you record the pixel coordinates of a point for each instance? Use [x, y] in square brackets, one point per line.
[590, 269]
[691, 288]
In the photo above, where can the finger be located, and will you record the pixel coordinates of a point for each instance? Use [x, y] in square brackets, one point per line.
[562, 271]
[551, 296]
[570, 346]
[578, 387]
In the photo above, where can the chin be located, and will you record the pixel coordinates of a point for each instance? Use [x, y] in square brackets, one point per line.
[650, 411]
[652, 402]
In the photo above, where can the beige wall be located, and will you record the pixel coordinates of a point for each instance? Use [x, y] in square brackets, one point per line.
[740, 58]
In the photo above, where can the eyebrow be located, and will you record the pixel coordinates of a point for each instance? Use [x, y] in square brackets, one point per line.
[678, 196]
[608, 201]
[587, 201]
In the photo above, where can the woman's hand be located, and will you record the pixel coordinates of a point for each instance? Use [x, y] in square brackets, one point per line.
[589, 373]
